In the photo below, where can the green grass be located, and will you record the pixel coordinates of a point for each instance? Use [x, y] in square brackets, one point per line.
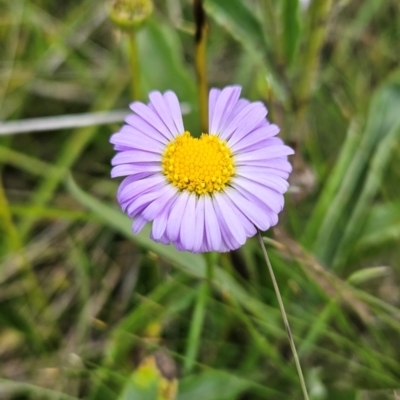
[83, 300]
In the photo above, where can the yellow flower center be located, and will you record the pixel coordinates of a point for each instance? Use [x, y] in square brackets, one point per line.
[203, 165]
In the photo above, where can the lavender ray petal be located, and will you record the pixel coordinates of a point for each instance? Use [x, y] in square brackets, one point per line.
[211, 225]
[239, 107]
[223, 107]
[188, 225]
[248, 226]
[272, 181]
[131, 156]
[145, 199]
[199, 238]
[118, 147]
[161, 220]
[168, 195]
[134, 139]
[162, 109]
[265, 131]
[139, 172]
[138, 223]
[270, 197]
[163, 239]
[265, 153]
[175, 216]
[141, 125]
[235, 233]
[131, 187]
[260, 171]
[179, 245]
[255, 211]
[280, 163]
[175, 110]
[212, 101]
[262, 144]
[151, 117]
[244, 122]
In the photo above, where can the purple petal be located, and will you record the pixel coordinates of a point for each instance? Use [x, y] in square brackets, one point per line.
[280, 163]
[263, 132]
[140, 202]
[139, 171]
[273, 181]
[151, 117]
[131, 156]
[255, 210]
[270, 197]
[179, 245]
[188, 225]
[163, 239]
[233, 231]
[162, 109]
[175, 216]
[223, 108]
[248, 226]
[244, 122]
[130, 187]
[264, 153]
[175, 110]
[212, 101]
[141, 125]
[138, 223]
[263, 144]
[134, 139]
[118, 147]
[199, 238]
[161, 221]
[166, 196]
[212, 229]
[260, 171]
[224, 248]
[239, 107]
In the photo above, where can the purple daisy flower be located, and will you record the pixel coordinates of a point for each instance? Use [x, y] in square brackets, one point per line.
[201, 194]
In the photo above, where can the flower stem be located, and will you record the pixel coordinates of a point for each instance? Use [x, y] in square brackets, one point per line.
[201, 62]
[134, 65]
[197, 323]
[284, 317]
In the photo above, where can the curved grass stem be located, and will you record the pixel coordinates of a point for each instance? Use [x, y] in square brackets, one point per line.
[284, 317]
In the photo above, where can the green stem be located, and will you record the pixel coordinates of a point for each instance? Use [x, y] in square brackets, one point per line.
[201, 62]
[196, 327]
[284, 317]
[197, 323]
[134, 65]
[211, 260]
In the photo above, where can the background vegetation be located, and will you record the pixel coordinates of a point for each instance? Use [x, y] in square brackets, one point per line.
[90, 311]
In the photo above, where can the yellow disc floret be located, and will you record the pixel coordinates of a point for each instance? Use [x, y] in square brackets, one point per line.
[203, 165]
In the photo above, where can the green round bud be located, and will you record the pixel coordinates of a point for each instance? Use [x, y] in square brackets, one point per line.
[129, 14]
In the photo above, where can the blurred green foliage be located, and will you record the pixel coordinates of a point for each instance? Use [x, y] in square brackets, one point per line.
[84, 302]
